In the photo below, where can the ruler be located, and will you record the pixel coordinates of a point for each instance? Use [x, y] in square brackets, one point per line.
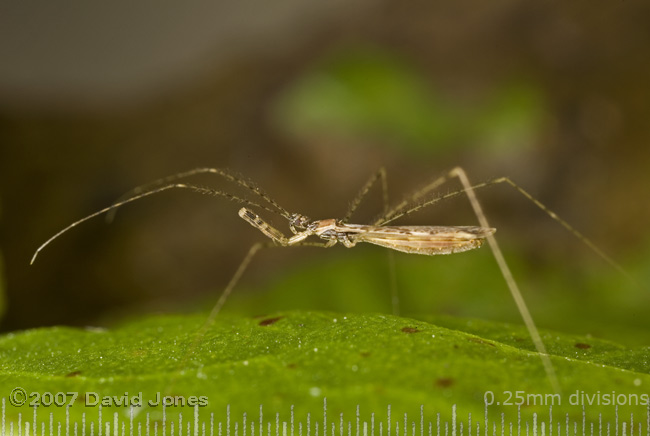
[196, 421]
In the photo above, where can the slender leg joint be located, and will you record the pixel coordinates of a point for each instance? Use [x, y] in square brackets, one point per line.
[271, 232]
[254, 220]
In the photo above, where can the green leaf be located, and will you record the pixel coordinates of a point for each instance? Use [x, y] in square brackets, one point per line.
[366, 92]
[300, 358]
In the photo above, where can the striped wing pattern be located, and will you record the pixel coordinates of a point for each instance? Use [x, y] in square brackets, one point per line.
[427, 240]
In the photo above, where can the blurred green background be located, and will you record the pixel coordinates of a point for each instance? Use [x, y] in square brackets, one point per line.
[309, 99]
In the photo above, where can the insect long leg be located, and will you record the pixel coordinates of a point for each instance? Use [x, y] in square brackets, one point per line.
[402, 210]
[396, 212]
[392, 275]
[567, 226]
[198, 336]
[231, 284]
[220, 172]
[406, 207]
[200, 333]
[392, 270]
[379, 175]
[507, 274]
[199, 189]
[240, 271]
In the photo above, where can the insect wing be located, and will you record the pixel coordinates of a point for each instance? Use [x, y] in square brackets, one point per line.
[425, 240]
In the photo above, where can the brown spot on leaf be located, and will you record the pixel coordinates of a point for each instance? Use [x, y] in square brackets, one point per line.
[582, 346]
[269, 321]
[410, 330]
[444, 382]
[292, 366]
[365, 353]
[73, 374]
[481, 341]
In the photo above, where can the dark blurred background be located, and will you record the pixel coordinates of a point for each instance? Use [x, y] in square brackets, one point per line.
[309, 98]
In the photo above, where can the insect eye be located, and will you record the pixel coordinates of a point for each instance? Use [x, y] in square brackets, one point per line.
[299, 221]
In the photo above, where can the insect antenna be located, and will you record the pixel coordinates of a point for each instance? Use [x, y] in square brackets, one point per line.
[195, 188]
[241, 181]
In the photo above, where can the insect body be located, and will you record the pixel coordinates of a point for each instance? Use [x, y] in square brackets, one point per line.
[428, 240]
